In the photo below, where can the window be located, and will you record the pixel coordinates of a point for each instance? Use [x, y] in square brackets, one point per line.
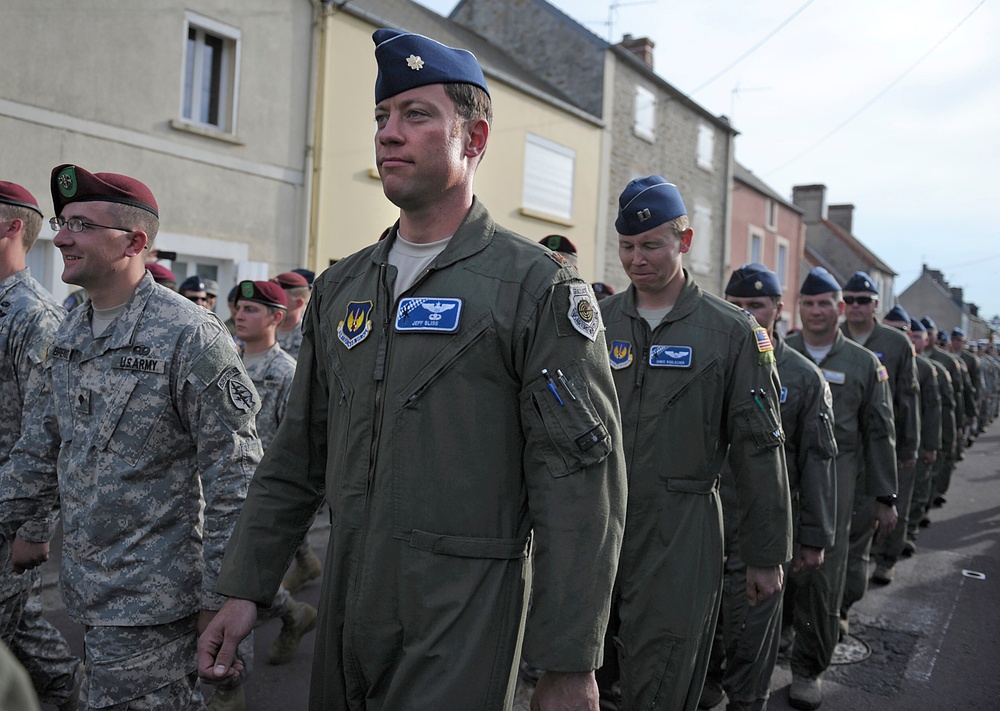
[771, 216]
[781, 268]
[645, 113]
[211, 73]
[755, 246]
[548, 177]
[706, 146]
[700, 253]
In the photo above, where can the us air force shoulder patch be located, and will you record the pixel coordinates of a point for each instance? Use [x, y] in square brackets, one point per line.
[620, 354]
[883, 374]
[583, 313]
[357, 323]
[429, 314]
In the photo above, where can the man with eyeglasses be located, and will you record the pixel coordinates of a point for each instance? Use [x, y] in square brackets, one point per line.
[866, 461]
[29, 318]
[893, 545]
[142, 425]
[895, 352]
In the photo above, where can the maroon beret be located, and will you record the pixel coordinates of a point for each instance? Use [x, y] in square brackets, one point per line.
[71, 183]
[14, 194]
[159, 271]
[263, 292]
[558, 243]
[290, 280]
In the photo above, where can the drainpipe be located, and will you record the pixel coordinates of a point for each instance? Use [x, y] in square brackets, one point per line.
[321, 10]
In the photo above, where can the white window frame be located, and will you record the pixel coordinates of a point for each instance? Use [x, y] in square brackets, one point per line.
[700, 254]
[780, 243]
[755, 233]
[771, 215]
[549, 170]
[644, 125]
[229, 74]
[706, 147]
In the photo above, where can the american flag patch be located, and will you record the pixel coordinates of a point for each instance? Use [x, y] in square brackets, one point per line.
[883, 374]
[763, 340]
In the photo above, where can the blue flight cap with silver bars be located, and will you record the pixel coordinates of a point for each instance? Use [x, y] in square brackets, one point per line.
[753, 279]
[647, 203]
[407, 60]
[819, 281]
[861, 282]
[897, 313]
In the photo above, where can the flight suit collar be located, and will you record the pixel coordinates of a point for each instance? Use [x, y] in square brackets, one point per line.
[472, 236]
[687, 301]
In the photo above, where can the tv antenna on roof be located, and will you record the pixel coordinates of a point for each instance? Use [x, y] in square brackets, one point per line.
[613, 8]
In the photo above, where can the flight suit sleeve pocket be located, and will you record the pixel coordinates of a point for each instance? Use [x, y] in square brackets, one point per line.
[763, 424]
[826, 441]
[565, 429]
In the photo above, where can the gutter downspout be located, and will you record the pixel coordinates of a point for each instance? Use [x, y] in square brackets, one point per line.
[321, 10]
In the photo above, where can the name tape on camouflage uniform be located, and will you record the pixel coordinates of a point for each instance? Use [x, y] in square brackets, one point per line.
[143, 365]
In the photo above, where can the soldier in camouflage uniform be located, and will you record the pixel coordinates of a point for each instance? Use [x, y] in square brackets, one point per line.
[143, 426]
[29, 317]
[260, 307]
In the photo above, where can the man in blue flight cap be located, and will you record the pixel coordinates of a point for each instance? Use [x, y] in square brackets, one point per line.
[866, 460]
[747, 637]
[452, 402]
[696, 379]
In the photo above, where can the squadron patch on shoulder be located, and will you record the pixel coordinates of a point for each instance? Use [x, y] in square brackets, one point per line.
[620, 354]
[883, 374]
[239, 394]
[583, 313]
[357, 323]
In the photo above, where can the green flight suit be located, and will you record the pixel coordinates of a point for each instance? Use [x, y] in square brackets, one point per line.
[894, 351]
[750, 634]
[703, 381]
[959, 377]
[891, 548]
[923, 484]
[427, 424]
[866, 460]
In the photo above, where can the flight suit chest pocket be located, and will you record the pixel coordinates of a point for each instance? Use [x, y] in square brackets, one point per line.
[572, 435]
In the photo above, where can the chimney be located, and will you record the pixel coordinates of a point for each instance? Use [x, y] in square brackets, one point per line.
[957, 295]
[842, 215]
[641, 47]
[812, 200]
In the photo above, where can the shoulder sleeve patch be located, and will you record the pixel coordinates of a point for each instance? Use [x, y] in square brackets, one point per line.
[583, 313]
[882, 373]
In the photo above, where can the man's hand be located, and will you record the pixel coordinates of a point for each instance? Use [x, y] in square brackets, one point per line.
[928, 456]
[807, 558]
[566, 691]
[762, 583]
[885, 520]
[217, 643]
[906, 464]
[24, 555]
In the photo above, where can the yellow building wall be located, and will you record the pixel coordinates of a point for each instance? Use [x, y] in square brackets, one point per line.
[351, 210]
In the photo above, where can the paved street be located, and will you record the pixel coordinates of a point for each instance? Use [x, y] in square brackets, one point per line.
[934, 633]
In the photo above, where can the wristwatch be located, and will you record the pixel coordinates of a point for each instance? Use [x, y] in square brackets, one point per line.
[889, 500]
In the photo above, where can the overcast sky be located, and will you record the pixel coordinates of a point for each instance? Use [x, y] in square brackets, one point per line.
[886, 103]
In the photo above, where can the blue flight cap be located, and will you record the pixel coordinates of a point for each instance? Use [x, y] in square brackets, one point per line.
[647, 203]
[929, 323]
[957, 333]
[753, 280]
[406, 61]
[308, 274]
[861, 282]
[819, 281]
[192, 283]
[943, 338]
[897, 313]
[916, 326]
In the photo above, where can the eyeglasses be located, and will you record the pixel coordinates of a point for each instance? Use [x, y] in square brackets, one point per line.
[198, 299]
[75, 224]
[861, 300]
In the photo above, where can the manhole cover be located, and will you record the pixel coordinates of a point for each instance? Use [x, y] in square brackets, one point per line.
[851, 651]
